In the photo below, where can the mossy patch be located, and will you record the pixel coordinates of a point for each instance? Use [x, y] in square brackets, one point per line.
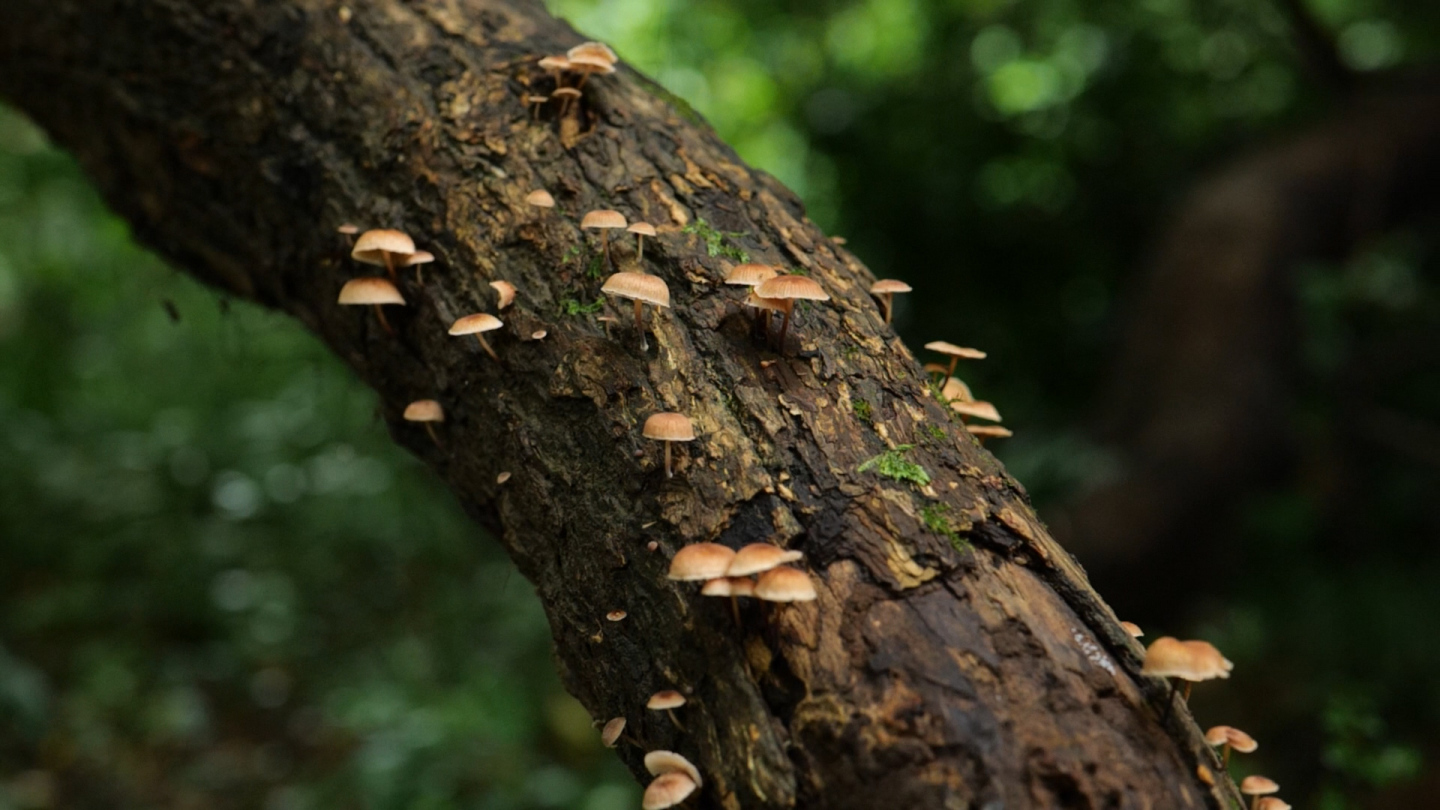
[936, 518]
[572, 306]
[862, 410]
[893, 465]
[715, 240]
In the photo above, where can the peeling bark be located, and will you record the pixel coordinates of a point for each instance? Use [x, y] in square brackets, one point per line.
[967, 667]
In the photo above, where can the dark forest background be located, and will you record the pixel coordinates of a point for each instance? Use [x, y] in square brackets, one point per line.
[1198, 240]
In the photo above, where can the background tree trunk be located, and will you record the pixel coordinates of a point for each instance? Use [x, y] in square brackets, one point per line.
[956, 657]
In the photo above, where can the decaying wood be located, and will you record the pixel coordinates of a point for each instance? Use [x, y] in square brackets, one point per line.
[976, 669]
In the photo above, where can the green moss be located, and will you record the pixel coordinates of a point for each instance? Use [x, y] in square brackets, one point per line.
[572, 306]
[893, 464]
[849, 352]
[862, 409]
[936, 518]
[934, 432]
[596, 266]
[715, 240]
[571, 253]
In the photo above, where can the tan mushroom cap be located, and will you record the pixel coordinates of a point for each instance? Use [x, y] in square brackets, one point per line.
[889, 286]
[1258, 786]
[477, 323]
[1215, 735]
[598, 50]
[1130, 627]
[989, 431]
[665, 699]
[603, 218]
[1242, 742]
[506, 291]
[936, 368]
[591, 64]
[955, 351]
[753, 300]
[666, 791]
[750, 274]
[729, 586]
[424, 410]
[791, 287]
[699, 561]
[785, 584]
[541, 198]
[567, 92]
[669, 427]
[365, 291]
[372, 246]
[954, 388]
[978, 409]
[1168, 657]
[348, 229]
[638, 287]
[1272, 803]
[555, 63]
[659, 763]
[760, 557]
[610, 735]
[418, 257]
[642, 228]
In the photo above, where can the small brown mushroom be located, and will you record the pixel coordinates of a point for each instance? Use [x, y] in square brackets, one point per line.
[382, 247]
[604, 220]
[1188, 661]
[427, 412]
[616, 616]
[1133, 629]
[567, 95]
[885, 290]
[699, 561]
[789, 289]
[955, 353]
[1272, 803]
[977, 409]
[667, 791]
[667, 700]
[641, 288]
[659, 763]
[669, 427]
[506, 291]
[757, 558]
[540, 198]
[536, 102]
[415, 260]
[591, 57]
[610, 735]
[375, 292]
[641, 230]
[1229, 738]
[555, 66]
[1257, 786]
[785, 584]
[477, 325]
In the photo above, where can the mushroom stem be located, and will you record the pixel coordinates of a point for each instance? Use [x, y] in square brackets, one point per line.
[889, 307]
[420, 274]
[668, 473]
[953, 361]
[486, 346]
[735, 609]
[605, 246]
[785, 325]
[671, 712]
[380, 314]
[431, 430]
[1188, 686]
[639, 247]
[640, 325]
[1225, 760]
[389, 264]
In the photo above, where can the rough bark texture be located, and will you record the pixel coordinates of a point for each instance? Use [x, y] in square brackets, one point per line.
[971, 670]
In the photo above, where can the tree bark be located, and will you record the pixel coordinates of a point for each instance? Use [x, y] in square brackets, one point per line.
[956, 661]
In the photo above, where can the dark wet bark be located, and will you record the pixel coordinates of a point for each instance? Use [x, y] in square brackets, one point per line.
[972, 670]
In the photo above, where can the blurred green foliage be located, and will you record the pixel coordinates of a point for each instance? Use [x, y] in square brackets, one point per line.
[221, 585]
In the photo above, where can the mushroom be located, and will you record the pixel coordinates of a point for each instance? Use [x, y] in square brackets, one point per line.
[659, 763]
[763, 307]
[591, 57]
[540, 198]
[954, 388]
[1257, 786]
[839, 240]
[566, 95]
[758, 558]
[506, 291]
[536, 102]
[667, 700]
[1189, 661]
[502, 477]
[1133, 629]
[983, 432]
[667, 791]
[789, 288]
[616, 616]
[477, 325]
[978, 409]
[785, 584]
[1272, 803]
[641, 288]
[610, 735]
[751, 275]
[348, 231]
[603, 220]
[699, 561]
[381, 247]
[555, 66]
[641, 230]
[598, 50]
[426, 412]
[415, 260]
[955, 353]
[669, 427]
[374, 292]
[732, 587]
[885, 290]
[1229, 738]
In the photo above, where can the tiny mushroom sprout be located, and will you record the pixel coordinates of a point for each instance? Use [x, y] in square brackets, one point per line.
[382, 247]
[536, 102]
[1257, 786]
[477, 325]
[885, 290]
[955, 353]
[659, 763]
[978, 409]
[506, 290]
[785, 584]
[667, 790]
[540, 198]
[668, 428]
[641, 288]
[1272, 803]
[610, 735]
[426, 412]
[415, 260]
[374, 292]
[605, 221]
[699, 561]
[1189, 661]
[667, 700]
[566, 95]
[1133, 629]
[1229, 738]
[641, 230]
[789, 289]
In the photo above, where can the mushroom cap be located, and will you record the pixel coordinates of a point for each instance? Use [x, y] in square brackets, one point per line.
[1168, 657]
[729, 586]
[369, 290]
[1258, 786]
[638, 287]
[418, 257]
[936, 368]
[348, 229]
[603, 218]
[642, 228]
[759, 557]
[669, 427]
[591, 64]
[791, 286]
[667, 790]
[1130, 627]
[506, 291]
[753, 300]
[537, 99]
[1239, 740]
[699, 561]
[541, 198]
[889, 285]
[955, 351]
[424, 410]
[978, 409]
[955, 389]
[474, 324]
[1272, 803]
[555, 63]
[372, 246]
[989, 431]
[665, 699]
[785, 584]
[659, 763]
[750, 274]
[567, 92]
[596, 49]
[612, 731]
[1215, 735]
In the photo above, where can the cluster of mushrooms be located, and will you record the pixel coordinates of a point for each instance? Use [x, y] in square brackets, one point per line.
[1191, 662]
[575, 65]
